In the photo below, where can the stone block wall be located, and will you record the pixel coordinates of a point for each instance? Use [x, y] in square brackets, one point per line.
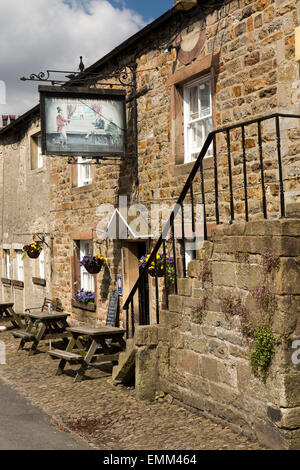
[25, 210]
[248, 49]
[203, 357]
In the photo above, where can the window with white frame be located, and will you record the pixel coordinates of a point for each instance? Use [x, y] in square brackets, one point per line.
[86, 279]
[40, 156]
[36, 152]
[20, 266]
[84, 171]
[7, 264]
[197, 117]
[42, 264]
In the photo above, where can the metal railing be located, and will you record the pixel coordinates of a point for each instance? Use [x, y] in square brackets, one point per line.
[188, 189]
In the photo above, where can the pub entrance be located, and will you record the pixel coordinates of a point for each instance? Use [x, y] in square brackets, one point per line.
[132, 251]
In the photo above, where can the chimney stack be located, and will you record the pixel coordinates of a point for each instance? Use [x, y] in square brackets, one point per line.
[185, 4]
[12, 117]
[4, 120]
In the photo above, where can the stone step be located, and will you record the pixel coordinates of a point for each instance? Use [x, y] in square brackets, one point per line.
[124, 371]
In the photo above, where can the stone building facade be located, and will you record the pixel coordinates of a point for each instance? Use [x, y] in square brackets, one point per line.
[201, 69]
[25, 203]
[243, 52]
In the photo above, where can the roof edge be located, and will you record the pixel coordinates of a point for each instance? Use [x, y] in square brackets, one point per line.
[20, 119]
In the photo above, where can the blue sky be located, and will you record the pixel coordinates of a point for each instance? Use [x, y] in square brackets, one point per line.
[54, 37]
[150, 9]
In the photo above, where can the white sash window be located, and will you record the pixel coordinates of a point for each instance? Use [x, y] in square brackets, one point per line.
[7, 264]
[20, 267]
[87, 279]
[39, 152]
[84, 171]
[197, 117]
[42, 264]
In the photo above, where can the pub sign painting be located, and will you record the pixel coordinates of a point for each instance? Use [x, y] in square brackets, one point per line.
[77, 123]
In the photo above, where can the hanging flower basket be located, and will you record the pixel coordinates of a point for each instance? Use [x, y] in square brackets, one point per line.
[93, 264]
[159, 269]
[33, 250]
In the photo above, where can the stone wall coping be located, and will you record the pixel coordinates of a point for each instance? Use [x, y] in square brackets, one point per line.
[273, 227]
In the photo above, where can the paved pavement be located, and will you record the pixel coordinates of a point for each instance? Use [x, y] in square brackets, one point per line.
[26, 427]
[108, 417]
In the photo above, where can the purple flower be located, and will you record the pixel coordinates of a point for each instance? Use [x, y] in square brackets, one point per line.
[84, 296]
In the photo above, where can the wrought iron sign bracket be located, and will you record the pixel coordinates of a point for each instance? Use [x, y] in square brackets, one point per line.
[125, 76]
[40, 235]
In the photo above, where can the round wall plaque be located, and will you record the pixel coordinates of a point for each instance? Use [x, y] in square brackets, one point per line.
[191, 44]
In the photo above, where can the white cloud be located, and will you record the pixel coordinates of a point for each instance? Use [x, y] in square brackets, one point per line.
[36, 35]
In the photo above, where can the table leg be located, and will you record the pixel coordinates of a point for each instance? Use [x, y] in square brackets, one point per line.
[122, 342]
[63, 362]
[86, 362]
[16, 319]
[37, 339]
[61, 366]
[28, 329]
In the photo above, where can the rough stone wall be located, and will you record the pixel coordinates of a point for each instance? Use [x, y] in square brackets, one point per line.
[202, 356]
[25, 209]
[254, 75]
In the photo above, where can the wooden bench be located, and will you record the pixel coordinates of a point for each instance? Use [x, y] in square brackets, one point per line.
[7, 313]
[98, 349]
[25, 335]
[68, 356]
[52, 326]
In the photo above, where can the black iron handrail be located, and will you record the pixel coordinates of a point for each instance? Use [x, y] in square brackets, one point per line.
[198, 166]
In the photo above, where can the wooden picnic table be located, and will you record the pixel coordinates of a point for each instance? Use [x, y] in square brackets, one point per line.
[53, 325]
[7, 313]
[99, 348]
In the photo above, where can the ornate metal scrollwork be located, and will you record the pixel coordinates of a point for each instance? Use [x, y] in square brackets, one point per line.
[40, 76]
[125, 77]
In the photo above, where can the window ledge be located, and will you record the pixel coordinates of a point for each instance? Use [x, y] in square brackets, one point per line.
[91, 306]
[82, 189]
[36, 171]
[39, 281]
[16, 283]
[186, 168]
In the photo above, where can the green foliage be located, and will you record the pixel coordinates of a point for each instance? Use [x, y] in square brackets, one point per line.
[263, 351]
[285, 338]
[170, 270]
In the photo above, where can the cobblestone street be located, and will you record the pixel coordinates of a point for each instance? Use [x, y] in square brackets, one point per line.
[108, 416]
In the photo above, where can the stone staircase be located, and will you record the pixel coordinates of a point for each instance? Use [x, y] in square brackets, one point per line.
[125, 370]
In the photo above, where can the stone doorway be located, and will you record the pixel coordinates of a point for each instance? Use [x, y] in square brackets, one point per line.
[132, 251]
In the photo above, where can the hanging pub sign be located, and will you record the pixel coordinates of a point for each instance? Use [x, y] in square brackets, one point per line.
[83, 122]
